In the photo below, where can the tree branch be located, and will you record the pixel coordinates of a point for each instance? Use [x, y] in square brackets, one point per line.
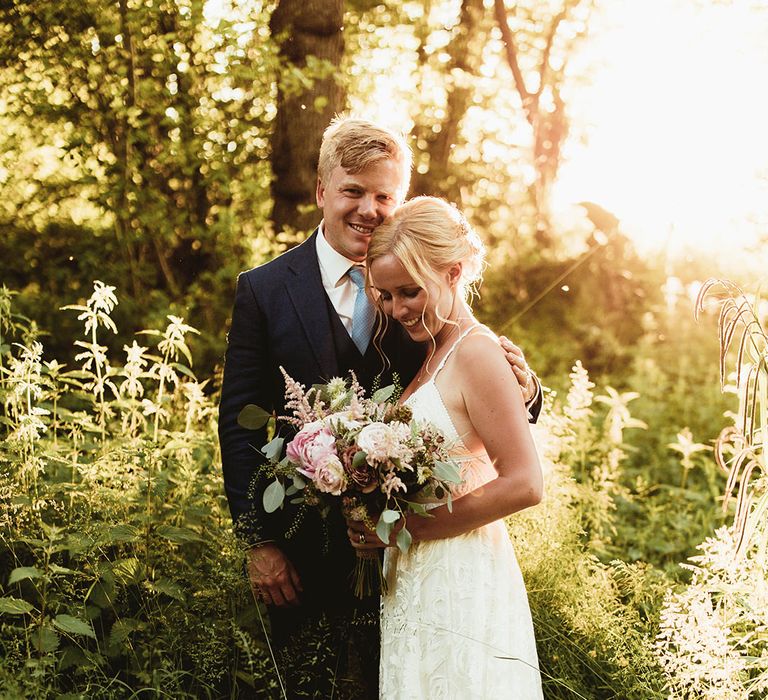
[528, 100]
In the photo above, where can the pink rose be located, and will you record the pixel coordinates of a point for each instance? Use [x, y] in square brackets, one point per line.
[329, 476]
[313, 446]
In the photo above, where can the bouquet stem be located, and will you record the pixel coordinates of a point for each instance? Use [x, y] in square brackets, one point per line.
[368, 574]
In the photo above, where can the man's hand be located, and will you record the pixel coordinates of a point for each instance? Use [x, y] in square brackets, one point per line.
[516, 359]
[273, 578]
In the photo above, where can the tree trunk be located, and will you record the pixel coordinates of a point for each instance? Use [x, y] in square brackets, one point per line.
[304, 28]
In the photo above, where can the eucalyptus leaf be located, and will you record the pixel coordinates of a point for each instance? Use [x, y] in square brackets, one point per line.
[418, 508]
[273, 448]
[390, 516]
[404, 540]
[274, 495]
[384, 529]
[447, 471]
[253, 417]
[383, 394]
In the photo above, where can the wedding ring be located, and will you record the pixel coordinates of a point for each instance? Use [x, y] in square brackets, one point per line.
[361, 538]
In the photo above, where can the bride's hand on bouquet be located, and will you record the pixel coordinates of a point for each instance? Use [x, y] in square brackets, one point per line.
[363, 538]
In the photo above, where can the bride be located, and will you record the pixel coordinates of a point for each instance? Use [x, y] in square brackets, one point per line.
[455, 622]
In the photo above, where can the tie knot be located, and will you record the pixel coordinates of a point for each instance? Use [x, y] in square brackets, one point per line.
[357, 275]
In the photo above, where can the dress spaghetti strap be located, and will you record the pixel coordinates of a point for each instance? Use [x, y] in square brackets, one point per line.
[463, 335]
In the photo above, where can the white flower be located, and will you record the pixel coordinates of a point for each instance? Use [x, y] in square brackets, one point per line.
[384, 442]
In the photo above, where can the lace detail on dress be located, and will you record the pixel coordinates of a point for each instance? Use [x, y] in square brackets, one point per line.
[455, 623]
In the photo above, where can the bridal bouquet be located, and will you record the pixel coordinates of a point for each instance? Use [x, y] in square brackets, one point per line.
[368, 452]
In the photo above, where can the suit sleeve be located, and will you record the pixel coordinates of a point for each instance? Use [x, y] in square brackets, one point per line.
[535, 404]
[247, 380]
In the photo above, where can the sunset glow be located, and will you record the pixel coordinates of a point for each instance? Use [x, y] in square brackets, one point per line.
[673, 124]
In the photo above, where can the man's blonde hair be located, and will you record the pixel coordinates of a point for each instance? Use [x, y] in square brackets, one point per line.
[354, 144]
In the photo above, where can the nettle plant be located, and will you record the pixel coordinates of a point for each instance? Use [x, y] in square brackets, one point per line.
[119, 569]
[713, 641]
[594, 632]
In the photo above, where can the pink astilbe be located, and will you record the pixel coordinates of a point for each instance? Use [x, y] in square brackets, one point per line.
[296, 401]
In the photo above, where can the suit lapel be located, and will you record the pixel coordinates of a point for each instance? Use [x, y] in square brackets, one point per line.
[305, 289]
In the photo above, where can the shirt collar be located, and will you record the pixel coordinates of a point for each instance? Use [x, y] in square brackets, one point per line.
[333, 264]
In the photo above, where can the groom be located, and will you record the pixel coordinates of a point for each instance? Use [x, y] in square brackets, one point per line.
[302, 311]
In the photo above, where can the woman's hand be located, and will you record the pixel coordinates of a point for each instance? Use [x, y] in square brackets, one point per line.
[361, 537]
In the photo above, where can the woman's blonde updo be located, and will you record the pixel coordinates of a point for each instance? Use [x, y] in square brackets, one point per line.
[428, 235]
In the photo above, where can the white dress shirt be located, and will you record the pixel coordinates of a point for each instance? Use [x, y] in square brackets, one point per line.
[339, 287]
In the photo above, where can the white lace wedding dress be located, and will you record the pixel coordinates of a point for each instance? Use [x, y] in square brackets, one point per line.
[455, 622]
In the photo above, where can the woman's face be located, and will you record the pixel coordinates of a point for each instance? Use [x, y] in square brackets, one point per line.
[420, 310]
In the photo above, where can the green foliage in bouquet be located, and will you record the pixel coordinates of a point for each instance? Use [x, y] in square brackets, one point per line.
[368, 456]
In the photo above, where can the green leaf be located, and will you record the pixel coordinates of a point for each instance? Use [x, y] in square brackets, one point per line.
[273, 448]
[102, 592]
[384, 529]
[390, 516]
[56, 569]
[71, 625]
[253, 417]
[121, 533]
[418, 508]
[359, 459]
[122, 629]
[383, 394]
[23, 573]
[169, 588]
[177, 534]
[45, 639]
[183, 369]
[128, 571]
[15, 606]
[447, 471]
[404, 540]
[274, 495]
[73, 657]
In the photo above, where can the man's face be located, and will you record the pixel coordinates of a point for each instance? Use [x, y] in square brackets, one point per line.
[355, 204]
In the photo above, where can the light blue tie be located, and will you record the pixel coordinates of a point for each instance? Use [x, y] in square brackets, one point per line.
[364, 313]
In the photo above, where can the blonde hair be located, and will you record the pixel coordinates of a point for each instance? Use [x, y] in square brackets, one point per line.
[354, 144]
[428, 235]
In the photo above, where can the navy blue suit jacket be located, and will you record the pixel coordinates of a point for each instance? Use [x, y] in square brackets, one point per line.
[281, 318]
